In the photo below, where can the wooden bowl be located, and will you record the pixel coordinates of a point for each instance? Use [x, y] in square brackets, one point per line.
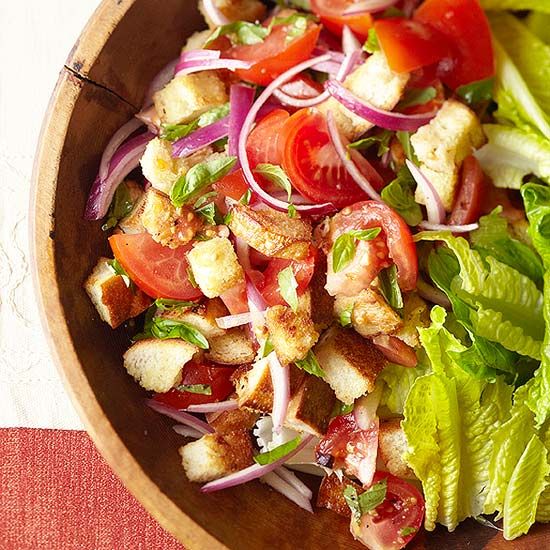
[102, 85]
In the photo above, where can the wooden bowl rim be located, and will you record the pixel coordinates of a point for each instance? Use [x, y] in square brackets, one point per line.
[41, 224]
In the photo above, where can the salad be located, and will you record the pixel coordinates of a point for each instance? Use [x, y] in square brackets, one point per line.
[330, 227]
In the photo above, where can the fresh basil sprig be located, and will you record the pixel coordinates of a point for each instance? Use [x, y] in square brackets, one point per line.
[173, 132]
[417, 96]
[389, 287]
[366, 501]
[478, 91]
[371, 45]
[165, 328]
[200, 389]
[382, 138]
[278, 452]
[343, 250]
[399, 195]
[119, 270]
[288, 287]
[166, 304]
[276, 175]
[345, 316]
[121, 206]
[311, 365]
[240, 33]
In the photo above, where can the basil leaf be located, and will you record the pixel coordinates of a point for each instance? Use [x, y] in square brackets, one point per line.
[119, 270]
[345, 316]
[292, 212]
[399, 195]
[371, 45]
[240, 32]
[165, 329]
[201, 201]
[406, 531]
[296, 24]
[121, 205]
[366, 501]
[352, 500]
[266, 348]
[343, 250]
[278, 452]
[382, 139]
[173, 132]
[341, 409]
[201, 389]
[276, 175]
[166, 304]
[475, 92]
[311, 365]
[198, 177]
[245, 199]
[405, 140]
[288, 286]
[417, 96]
[213, 115]
[191, 277]
[300, 4]
[390, 287]
[209, 213]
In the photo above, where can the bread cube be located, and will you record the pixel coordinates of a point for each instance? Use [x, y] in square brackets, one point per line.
[331, 494]
[392, 446]
[236, 10]
[234, 347]
[416, 314]
[230, 421]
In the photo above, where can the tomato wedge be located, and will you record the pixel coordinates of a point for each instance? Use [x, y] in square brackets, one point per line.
[159, 271]
[314, 167]
[204, 373]
[333, 18]
[465, 25]
[410, 45]
[395, 350]
[275, 54]
[471, 196]
[233, 185]
[396, 521]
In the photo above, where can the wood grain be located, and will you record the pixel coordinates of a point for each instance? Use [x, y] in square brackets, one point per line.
[123, 46]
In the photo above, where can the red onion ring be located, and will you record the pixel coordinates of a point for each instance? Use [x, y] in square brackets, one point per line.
[252, 472]
[191, 67]
[241, 98]
[150, 118]
[434, 206]
[292, 479]
[369, 6]
[185, 418]
[342, 151]
[350, 43]
[232, 321]
[384, 119]
[219, 406]
[200, 138]
[395, 350]
[280, 379]
[187, 431]
[161, 79]
[432, 294]
[215, 14]
[452, 228]
[277, 482]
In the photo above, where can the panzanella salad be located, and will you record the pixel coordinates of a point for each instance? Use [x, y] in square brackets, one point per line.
[331, 224]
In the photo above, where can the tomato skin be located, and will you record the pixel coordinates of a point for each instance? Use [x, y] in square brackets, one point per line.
[471, 195]
[396, 350]
[235, 299]
[333, 18]
[311, 162]
[410, 45]
[232, 185]
[159, 271]
[465, 25]
[217, 377]
[274, 56]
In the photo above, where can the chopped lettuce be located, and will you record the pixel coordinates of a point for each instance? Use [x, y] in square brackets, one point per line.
[539, 24]
[540, 5]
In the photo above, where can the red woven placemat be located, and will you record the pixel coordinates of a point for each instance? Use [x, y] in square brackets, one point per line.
[56, 492]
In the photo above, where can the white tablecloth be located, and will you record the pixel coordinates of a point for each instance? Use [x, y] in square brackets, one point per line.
[35, 40]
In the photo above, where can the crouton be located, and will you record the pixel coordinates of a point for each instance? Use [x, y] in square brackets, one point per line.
[374, 82]
[234, 347]
[202, 317]
[157, 364]
[415, 315]
[443, 144]
[230, 421]
[187, 97]
[272, 233]
[162, 170]
[215, 266]
[392, 446]
[236, 10]
[168, 225]
[351, 363]
[291, 334]
[217, 455]
[115, 302]
[311, 407]
[331, 494]
[322, 312]
[370, 313]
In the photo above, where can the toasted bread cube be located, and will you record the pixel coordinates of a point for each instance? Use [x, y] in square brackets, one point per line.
[416, 314]
[374, 82]
[217, 455]
[311, 407]
[131, 224]
[272, 233]
[162, 170]
[370, 313]
[187, 97]
[157, 364]
[443, 144]
[215, 266]
[392, 446]
[233, 347]
[331, 494]
[197, 40]
[322, 313]
[291, 334]
[351, 363]
[114, 301]
[230, 421]
[236, 10]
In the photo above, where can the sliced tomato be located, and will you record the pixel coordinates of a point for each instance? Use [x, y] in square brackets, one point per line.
[303, 272]
[159, 271]
[333, 18]
[275, 54]
[395, 522]
[194, 373]
[471, 195]
[432, 105]
[401, 247]
[235, 299]
[511, 210]
[410, 45]
[465, 25]
[395, 350]
[232, 185]
[314, 167]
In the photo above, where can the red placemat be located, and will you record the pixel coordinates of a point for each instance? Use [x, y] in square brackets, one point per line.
[56, 492]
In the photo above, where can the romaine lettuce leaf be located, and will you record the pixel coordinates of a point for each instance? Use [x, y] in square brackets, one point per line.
[539, 24]
[540, 5]
[543, 507]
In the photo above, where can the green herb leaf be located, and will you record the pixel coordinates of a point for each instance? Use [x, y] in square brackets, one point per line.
[382, 139]
[245, 199]
[198, 177]
[399, 195]
[213, 115]
[371, 45]
[390, 287]
[173, 132]
[300, 4]
[278, 452]
[475, 92]
[164, 329]
[119, 270]
[166, 304]
[366, 501]
[209, 213]
[343, 250]
[341, 409]
[240, 32]
[345, 316]
[296, 24]
[417, 96]
[288, 286]
[227, 218]
[201, 389]
[406, 531]
[292, 212]
[276, 175]
[191, 277]
[311, 365]
[266, 348]
[121, 206]
[405, 140]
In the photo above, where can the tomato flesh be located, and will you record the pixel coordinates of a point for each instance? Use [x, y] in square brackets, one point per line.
[209, 374]
[333, 18]
[395, 350]
[159, 271]
[469, 201]
[232, 185]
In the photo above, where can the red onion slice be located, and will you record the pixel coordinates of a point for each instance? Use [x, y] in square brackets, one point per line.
[214, 14]
[432, 294]
[280, 379]
[452, 228]
[384, 119]
[434, 206]
[200, 138]
[150, 118]
[241, 98]
[313, 209]
[196, 66]
[252, 472]
[274, 480]
[292, 479]
[186, 431]
[183, 417]
[395, 350]
[365, 408]
[198, 55]
[369, 6]
[232, 321]
[161, 79]
[219, 406]
[342, 151]
[350, 43]
[123, 162]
